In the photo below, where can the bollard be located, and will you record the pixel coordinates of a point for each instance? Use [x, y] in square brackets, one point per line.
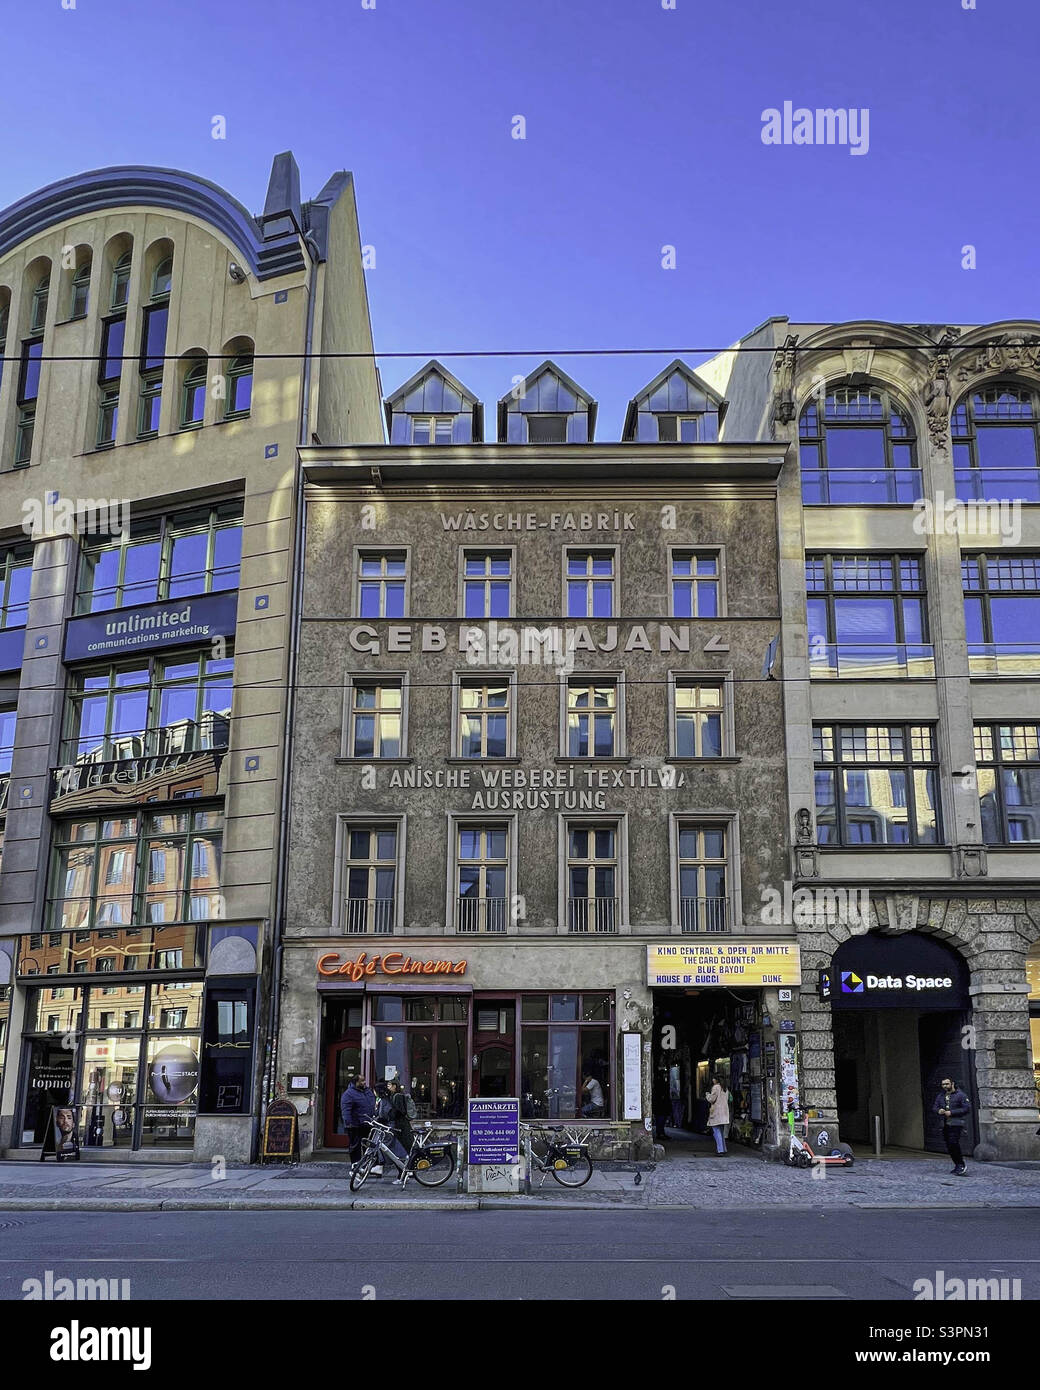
[877, 1136]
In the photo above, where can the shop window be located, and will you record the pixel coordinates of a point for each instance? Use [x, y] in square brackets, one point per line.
[868, 616]
[382, 585]
[565, 1040]
[696, 584]
[1008, 758]
[876, 784]
[1002, 613]
[424, 1046]
[590, 583]
[171, 557]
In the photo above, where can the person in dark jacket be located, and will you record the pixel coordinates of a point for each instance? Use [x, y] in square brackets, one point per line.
[402, 1122]
[357, 1106]
[953, 1106]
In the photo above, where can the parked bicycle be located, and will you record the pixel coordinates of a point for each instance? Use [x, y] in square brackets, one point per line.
[566, 1154]
[431, 1160]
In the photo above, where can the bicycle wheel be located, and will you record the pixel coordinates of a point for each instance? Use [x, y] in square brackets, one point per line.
[569, 1169]
[433, 1167]
[362, 1168]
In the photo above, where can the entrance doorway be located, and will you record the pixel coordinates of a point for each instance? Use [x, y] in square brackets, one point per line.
[343, 1062]
[494, 1048]
[697, 1034]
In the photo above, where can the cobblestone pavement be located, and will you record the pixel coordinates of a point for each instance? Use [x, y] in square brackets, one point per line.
[741, 1180]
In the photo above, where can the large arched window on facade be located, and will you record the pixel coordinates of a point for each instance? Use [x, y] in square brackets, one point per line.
[995, 444]
[858, 447]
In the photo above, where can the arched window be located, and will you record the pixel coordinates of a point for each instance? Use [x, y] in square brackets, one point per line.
[38, 308]
[859, 448]
[5, 318]
[193, 394]
[80, 296]
[995, 444]
[239, 376]
[120, 282]
[162, 279]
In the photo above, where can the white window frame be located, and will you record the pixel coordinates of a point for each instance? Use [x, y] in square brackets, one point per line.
[614, 552]
[367, 552]
[433, 421]
[618, 819]
[355, 678]
[353, 821]
[676, 551]
[617, 678]
[730, 820]
[464, 551]
[719, 678]
[456, 820]
[474, 675]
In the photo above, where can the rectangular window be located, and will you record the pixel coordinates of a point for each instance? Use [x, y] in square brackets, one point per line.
[29, 371]
[23, 440]
[150, 403]
[108, 417]
[432, 429]
[593, 718]
[593, 877]
[370, 878]
[590, 584]
[546, 429]
[703, 869]
[487, 583]
[15, 580]
[868, 616]
[94, 880]
[382, 584]
[151, 708]
[698, 718]
[481, 877]
[876, 784]
[484, 717]
[1002, 613]
[376, 718]
[1008, 758]
[696, 582]
[113, 339]
[176, 556]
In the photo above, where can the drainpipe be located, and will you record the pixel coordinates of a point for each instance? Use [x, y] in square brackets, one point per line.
[295, 586]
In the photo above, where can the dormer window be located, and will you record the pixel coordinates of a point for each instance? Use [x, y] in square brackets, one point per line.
[432, 429]
[677, 407]
[547, 407]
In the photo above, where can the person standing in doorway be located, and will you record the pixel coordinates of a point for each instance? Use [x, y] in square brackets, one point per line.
[357, 1106]
[953, 1106]
[675, 1094]
[718, 1113]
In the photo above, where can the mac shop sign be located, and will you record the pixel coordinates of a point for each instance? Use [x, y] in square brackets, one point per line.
[910, 971]
[145, 628]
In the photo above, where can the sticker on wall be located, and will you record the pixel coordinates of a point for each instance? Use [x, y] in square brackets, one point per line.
[173, 1073]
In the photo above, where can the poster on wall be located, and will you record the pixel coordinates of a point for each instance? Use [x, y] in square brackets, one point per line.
[173, 1073]
[631, 1070]
[62, 1135]
[789, 1099]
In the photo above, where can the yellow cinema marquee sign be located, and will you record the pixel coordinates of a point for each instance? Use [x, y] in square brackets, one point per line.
[707, 963]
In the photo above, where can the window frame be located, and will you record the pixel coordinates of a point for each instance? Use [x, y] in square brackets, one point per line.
[891, 406]
[998, 764]
[591, 552]
[588, 680]
[724, 680]
[964, 435]
[457, 821]
[907, 765]
[345, 823]
[693, 552]
[618, 820]
[729, 822]
[353, 679]
[467, 552]
[483, 677]
[370, 552]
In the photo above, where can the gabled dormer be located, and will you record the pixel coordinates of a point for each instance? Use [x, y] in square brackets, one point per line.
[553, 409]
[677, 407]
[432, 407]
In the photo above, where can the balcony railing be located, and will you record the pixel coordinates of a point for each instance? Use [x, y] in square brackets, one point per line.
[481, 914]
[872, 661]
[372, 915]
[704, 914]
[864, 487]
[593, 914]
[997, 484]
[1004, 658]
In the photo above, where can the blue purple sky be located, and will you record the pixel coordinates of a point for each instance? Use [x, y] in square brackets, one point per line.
[643, 129]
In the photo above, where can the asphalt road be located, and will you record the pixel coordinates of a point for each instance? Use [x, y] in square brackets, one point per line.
[729, 1256]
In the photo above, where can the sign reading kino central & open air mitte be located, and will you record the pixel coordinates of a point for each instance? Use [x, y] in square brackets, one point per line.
[724, 963]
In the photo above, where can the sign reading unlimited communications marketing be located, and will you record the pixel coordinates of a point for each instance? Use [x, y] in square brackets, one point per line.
[185, 621]
[698, 964]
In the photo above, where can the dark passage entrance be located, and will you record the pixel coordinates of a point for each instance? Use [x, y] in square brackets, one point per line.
[696, 1034]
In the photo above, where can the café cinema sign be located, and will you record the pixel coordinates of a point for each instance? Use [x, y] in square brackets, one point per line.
[392, 963]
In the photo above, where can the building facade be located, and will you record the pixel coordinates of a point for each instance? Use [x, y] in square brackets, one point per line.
[910, 578]
[538, 771]
[155, 386]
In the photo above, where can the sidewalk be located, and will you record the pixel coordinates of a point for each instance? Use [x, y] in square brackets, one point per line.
[743, 1180]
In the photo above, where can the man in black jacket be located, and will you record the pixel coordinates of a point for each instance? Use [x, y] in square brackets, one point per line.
[953, 1105]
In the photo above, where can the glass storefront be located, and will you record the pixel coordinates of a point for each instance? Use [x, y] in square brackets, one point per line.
[421, 1041]
[127, 1053]
[565, 1039]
